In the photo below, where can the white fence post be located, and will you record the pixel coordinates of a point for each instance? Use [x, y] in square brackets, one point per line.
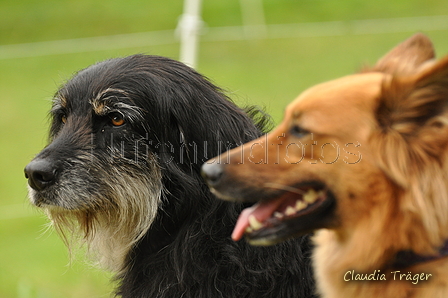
[189, 27]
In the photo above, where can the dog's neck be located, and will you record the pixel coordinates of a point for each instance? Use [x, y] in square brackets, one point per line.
[408, 258]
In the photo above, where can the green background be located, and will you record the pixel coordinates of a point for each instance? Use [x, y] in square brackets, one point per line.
[266, 71]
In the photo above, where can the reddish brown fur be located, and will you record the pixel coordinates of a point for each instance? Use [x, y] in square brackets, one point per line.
[390, 182]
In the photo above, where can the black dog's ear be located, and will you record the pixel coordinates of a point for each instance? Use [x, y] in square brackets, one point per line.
[407, 57]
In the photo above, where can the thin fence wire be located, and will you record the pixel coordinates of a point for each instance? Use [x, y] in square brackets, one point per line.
[216, 34]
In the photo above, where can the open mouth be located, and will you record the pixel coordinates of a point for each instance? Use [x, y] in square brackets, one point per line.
[296, 211]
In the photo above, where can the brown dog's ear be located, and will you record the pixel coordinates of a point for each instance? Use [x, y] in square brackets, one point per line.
[407, 57]
[413, 119]
[409, 103]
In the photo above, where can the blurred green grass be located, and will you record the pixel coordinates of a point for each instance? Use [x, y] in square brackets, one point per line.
[267, 72]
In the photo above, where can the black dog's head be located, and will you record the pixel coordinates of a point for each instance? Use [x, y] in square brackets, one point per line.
[127, 139]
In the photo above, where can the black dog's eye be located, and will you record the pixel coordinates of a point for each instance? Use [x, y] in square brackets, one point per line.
[299, 132]
[116, 118]
[63, 118]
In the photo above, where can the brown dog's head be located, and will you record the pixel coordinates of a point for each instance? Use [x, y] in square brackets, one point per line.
[361, 154]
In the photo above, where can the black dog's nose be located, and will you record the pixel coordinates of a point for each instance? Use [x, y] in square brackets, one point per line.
[212, 173]
[40, 174]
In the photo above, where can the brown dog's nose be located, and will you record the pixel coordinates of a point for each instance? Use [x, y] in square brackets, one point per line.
[212, 173]
[40, 174]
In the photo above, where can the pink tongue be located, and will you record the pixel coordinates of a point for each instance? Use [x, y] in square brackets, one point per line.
[261, 211]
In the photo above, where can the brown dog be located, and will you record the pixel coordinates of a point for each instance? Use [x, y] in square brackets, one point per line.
[363, 161]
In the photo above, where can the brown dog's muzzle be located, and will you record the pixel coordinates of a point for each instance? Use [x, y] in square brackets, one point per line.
[286, 205]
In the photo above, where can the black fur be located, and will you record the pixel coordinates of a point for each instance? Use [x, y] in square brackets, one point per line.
[177, 119]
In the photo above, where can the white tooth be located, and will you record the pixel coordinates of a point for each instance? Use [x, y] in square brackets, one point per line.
[300, 205]
[254, 223]
[290, 210]
[278, 214]
[310, 196]
[249, 230]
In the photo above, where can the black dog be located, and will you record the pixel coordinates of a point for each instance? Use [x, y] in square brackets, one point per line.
[122, 174]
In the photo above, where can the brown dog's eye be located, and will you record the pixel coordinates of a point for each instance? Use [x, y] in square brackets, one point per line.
[63, 118]
[116, 119]
[299, 132]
